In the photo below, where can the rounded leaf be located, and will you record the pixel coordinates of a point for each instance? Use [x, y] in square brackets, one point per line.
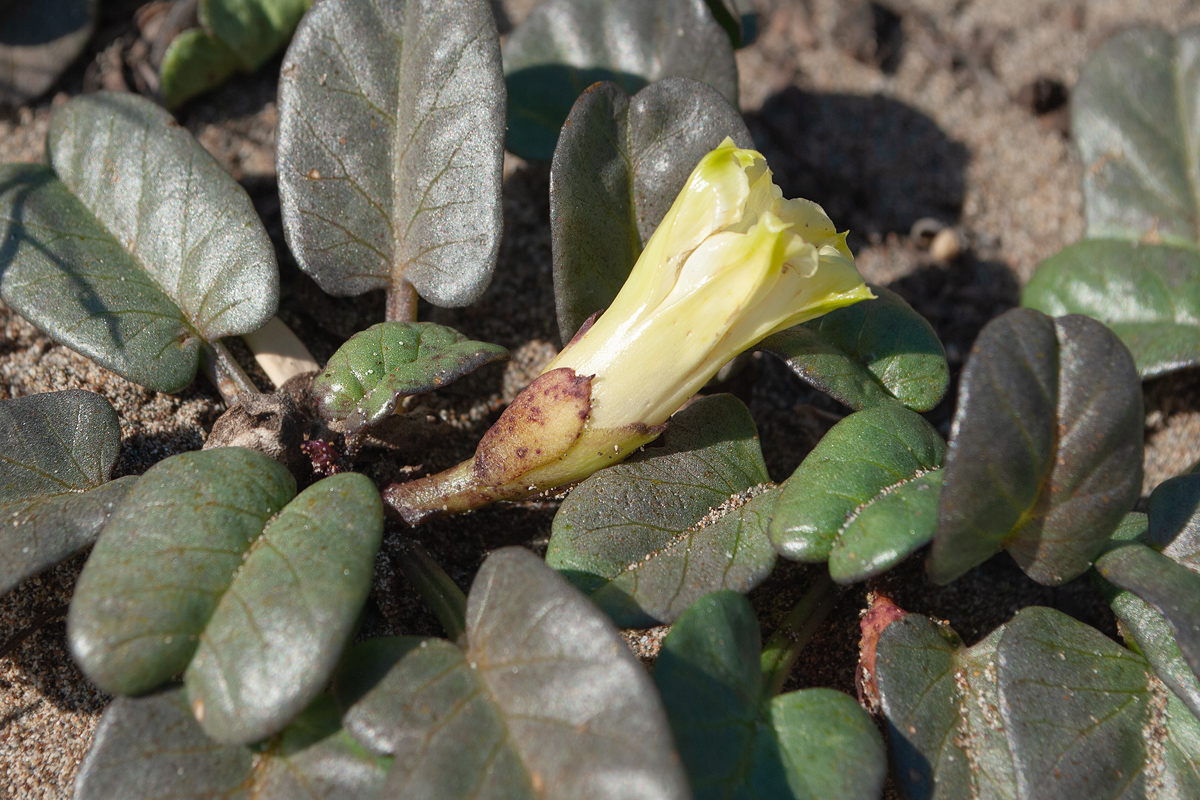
[865, 497]
[735, 740]
[1045, 454]
[1149, 295]
[59, 449]
[135, 244]
[564, 46]
[1135, 114]
[165, 558]
[390, 147]
[275, 637]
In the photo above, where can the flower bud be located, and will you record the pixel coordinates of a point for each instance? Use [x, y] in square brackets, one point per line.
[731, 263]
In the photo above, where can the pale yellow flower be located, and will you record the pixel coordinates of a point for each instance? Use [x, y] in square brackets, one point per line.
[731, 263]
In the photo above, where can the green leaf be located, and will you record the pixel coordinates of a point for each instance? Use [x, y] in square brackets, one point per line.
[275, 637]
[1044, 707]
[391, 133]
[56, 453]
[1148, 294]
[1134, 114]
[644, 538]
[1075, 708]
[38, 41]
[1171, 588]
[1045, 457]
[237, 35]
[564, 46]
[166, 557]
[195, 62]
[868, 353]
[618, 167]
[940, 701]
[865, 497]
[737, 741]
[546, 701]
[253, 29]
[368, 375]
[134, 245]
[152, 748]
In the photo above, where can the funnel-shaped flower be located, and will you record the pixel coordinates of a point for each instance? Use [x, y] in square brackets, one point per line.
[731, 263]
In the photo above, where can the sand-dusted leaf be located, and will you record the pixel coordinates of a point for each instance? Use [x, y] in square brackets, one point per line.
[941, 706]
[134, 245]
[56, 453]
[370, 373]
[275, 636]
[166, 556]
[1135, 114]
[737, 741]
[38, 41]
[1174, 524]
[1171, 588]
[865, 497]
[564, 46]
[1044, 707]
[648, 537]
[619, 165]
[1148, 632]
[1148, 294]
[237, 35]
[1075, 708]
[544, 701]
[1045, 454]
[152, 748]
[391, 134]
[868, 353]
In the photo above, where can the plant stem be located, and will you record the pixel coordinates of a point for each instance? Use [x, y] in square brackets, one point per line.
[279, 352]
[401, 302]
[437, 589]
[225, 373]
[796, 631]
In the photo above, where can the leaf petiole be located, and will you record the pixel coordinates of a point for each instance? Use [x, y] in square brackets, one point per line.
[796, 631]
